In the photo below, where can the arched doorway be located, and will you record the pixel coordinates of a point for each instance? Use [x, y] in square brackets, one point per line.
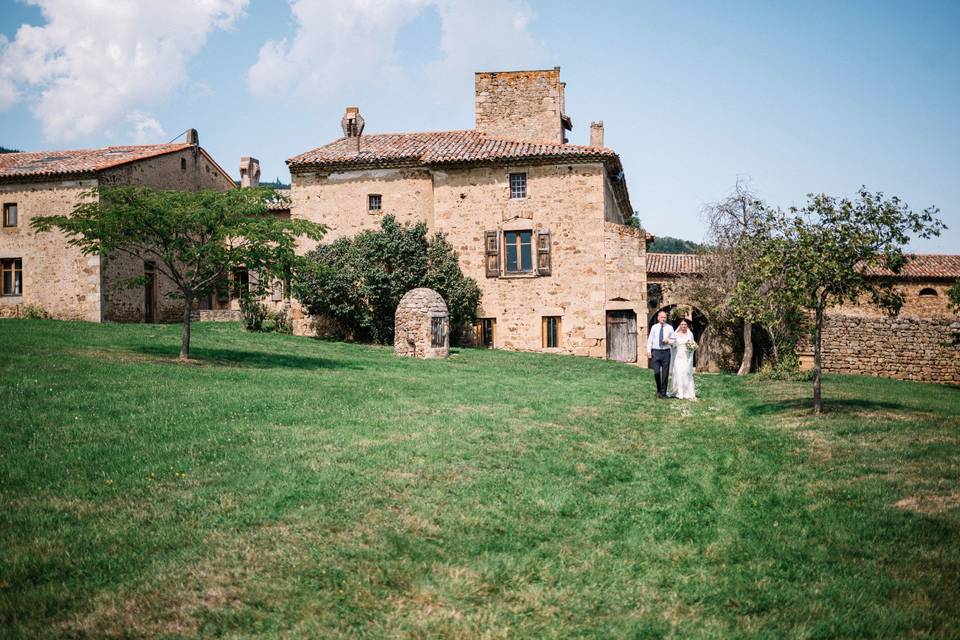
[693, 315]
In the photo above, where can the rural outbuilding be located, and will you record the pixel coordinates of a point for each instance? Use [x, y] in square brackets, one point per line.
[422, 325]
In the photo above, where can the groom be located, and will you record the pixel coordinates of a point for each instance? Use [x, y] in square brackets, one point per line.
[658, 350]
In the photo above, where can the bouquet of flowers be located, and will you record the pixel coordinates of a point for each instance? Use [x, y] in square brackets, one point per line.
[692, 346]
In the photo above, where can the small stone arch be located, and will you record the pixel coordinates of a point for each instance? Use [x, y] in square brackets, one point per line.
[422, 325]
[928, 292]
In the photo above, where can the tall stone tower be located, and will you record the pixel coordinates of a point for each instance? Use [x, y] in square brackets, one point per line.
[522, 105]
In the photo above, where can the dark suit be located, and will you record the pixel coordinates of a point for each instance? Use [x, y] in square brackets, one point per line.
[661, 369]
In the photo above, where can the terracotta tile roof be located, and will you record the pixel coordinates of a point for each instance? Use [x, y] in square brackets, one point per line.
[276, 205]
[923, 266]
[51, 163]
[440, 147]
[674, 263]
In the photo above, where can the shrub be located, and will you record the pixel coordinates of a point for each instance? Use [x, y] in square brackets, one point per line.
[253, 312]
[35, 312]
[787, 368]
[355, 284]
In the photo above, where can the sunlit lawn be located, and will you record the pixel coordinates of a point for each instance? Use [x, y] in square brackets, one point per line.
[288, 487]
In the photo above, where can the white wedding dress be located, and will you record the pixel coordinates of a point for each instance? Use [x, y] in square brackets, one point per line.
[681, 368]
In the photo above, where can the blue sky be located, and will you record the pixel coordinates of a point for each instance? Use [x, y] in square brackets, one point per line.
[795, 97]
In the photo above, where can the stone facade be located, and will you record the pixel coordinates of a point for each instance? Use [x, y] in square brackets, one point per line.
[521, 105]
[70, 285]
[422, 325]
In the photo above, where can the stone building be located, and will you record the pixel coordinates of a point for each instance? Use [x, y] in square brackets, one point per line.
[861, 338]
[44, 270]
[537, 222]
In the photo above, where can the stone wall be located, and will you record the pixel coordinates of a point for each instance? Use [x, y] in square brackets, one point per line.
[567, 201]
[903, 347]
[520, 105]
[339, 199]
[625, 279]
[124, 304]
[56, 276]
[914, 304]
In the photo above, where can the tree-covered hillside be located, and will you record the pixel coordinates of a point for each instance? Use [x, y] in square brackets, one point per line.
[667, 244]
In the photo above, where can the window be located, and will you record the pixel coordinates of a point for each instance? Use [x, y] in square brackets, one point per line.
[928, 292]
[518, 186]
[438, 332]
[551, 332]
[11, 277]
[10, 214]
[519, 246]
[241, 282]
[183, 164]
[374, 202]
[486, 332]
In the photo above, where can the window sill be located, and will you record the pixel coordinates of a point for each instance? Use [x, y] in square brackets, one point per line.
[11, 296]
[518, 276]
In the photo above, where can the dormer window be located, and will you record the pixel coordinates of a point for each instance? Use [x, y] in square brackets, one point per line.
[518, 186]
[374, 202]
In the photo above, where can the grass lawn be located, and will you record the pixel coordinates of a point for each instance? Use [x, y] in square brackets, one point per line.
[286, 487]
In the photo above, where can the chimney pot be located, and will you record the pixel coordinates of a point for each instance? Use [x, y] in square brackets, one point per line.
[249, 172]
[352, 123]
[596, 134]
[193, 137]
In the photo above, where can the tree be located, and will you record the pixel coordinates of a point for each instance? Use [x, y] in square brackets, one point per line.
[196, 238]
[830, 251]
[732, 225]
[668, 244]
[356, 283]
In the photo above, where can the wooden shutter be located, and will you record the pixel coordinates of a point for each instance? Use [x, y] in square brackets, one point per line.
[543, 253]
[491, 240]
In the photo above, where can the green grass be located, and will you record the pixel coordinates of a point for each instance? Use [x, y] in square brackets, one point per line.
[286, 487]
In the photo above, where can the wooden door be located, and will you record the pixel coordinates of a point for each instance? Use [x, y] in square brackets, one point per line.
[622, 336]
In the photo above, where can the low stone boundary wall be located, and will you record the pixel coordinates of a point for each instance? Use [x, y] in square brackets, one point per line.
[216, 315]
[906, 348]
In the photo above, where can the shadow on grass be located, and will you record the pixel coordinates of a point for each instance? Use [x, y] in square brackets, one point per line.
[251, 359]
[839, 406]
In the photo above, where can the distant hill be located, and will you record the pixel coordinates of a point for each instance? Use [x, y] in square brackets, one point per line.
[666, 244]
[276, 184]
[5, 150]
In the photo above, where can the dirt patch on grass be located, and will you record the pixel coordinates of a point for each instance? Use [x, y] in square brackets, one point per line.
[930, 504]
[819, 445]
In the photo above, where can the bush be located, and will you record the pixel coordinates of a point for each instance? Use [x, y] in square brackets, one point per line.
[35, 312]
[355, 284]
[254, 313]
[256, 317]
[788, 368]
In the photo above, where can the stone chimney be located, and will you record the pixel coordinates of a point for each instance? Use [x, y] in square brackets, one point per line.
[249, 172]
[193, 137]
[521, 105]
[596, 134]
[352, 123]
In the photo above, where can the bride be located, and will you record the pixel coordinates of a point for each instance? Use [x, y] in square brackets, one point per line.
[681, 364]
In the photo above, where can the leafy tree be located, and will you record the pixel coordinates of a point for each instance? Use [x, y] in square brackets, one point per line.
[196, 238]
[6, 150]
[356, 283]
[633, 221]
[733, 225]
[822, 254]
[668, 244]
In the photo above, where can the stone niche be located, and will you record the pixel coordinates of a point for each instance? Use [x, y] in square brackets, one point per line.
[422, 325]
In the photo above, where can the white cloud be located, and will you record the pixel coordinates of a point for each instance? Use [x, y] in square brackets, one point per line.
[146, 128]
[98, 62]
[343, 45]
